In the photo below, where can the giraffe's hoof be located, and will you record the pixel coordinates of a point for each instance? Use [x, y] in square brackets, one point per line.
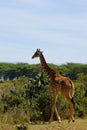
[59, 121]
[73, 120]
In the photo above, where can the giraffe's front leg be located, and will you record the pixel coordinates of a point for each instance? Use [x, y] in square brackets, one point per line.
[53, 106]
[57, 115]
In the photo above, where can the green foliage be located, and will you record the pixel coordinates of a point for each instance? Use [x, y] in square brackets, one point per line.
[26, 95]
[23, 95]
[81, 95]
[44, 101]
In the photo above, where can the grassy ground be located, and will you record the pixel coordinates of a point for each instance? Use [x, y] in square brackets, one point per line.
[79, 124]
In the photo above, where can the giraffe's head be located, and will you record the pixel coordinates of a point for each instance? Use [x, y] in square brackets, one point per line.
[37, 53]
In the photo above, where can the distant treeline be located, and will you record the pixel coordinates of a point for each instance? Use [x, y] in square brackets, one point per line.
[10, 71]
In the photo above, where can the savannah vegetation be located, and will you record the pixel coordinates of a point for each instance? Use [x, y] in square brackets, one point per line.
[25, 95]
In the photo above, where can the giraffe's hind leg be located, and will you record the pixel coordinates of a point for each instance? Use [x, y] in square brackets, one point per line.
[72, 106]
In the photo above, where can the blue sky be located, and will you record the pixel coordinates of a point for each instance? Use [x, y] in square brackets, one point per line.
[57, 27]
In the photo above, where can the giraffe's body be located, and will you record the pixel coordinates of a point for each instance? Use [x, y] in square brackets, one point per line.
[58, 84]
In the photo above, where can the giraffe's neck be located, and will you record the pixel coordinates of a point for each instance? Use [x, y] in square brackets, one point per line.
[49, 71]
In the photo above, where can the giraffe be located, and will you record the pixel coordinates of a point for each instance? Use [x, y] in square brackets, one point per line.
[58, 84]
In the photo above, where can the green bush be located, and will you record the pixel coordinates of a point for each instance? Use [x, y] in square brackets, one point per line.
[25, 100]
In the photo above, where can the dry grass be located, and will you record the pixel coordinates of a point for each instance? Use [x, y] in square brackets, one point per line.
[79, 124]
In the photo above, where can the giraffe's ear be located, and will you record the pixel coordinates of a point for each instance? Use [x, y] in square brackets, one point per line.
[38, 49]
